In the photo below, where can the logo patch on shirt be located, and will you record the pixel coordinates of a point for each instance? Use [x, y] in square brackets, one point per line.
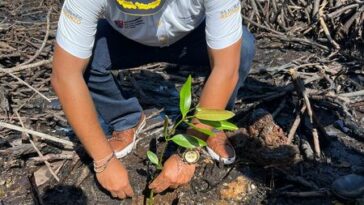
[75, 18]
[230, 11]
[129, 24]
[139, 5]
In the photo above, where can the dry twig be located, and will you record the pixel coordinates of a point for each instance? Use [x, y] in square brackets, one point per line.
[28, 66]
[25, 83]
[44, 40]
[37, 150]
[295, 124]
[301, 89]
[38, 134]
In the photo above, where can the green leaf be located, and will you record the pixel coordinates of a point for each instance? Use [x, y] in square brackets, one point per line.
[185, 97]
[204, 131]
[225, 125]
[188, 141]
[220, 125]
[213, 114]
[153, 157]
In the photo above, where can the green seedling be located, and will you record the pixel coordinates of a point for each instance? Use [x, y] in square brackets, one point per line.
[214, 118]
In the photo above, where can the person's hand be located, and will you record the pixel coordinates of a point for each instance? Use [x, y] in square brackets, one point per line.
[175, 173]
[115, 179]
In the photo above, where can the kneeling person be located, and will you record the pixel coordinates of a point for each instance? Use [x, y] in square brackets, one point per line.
[133, 33]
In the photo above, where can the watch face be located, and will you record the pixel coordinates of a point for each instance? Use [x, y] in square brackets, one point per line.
[191, 156]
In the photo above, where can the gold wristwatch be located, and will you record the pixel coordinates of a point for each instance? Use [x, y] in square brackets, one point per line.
[190, 156]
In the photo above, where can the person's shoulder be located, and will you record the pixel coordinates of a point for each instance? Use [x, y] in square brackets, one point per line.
[86, 4]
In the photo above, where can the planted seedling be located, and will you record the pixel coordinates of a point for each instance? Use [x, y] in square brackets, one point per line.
[214, 118]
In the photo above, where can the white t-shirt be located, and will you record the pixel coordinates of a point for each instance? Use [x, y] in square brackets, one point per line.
[78, 22]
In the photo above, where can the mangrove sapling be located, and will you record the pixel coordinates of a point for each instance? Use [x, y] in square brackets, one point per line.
[214, 118]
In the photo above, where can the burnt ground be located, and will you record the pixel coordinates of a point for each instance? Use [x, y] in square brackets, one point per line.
[267, 171]
[269, 178]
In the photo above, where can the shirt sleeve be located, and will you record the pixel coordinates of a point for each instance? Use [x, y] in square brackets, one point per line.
[77, 26]
[223, 23]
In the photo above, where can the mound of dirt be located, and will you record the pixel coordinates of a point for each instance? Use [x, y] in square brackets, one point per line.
[264, 142]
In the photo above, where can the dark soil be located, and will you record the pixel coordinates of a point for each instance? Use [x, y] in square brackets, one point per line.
[268, 166]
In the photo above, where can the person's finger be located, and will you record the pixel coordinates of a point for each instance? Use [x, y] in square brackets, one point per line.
[121, 195]
[129, 191]
[174, 186]
[156, 182]
[113, 194]
[162, 186]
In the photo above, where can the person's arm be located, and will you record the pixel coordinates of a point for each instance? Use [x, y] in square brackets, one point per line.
[223, 78]
[69, 85]
[75, 39]
[223, 37]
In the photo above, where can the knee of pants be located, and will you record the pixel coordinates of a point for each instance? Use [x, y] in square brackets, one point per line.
[247, 54]
[100, 60]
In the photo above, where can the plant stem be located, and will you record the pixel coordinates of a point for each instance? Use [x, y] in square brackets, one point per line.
[173, 130]
[165, 128]
[162, 153]
[190, 117]
[166, 134]
[150, 200]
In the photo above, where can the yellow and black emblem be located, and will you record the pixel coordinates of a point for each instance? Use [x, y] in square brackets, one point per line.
[140, 7]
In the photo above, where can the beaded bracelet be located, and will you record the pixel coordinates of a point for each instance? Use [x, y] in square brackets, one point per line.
[100, 165]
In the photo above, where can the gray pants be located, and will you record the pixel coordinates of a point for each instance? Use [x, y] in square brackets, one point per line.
[113, 50]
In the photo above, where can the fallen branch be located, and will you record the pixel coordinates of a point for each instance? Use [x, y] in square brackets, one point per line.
[326, 30]
[25, 83]
[38, 134]
[53, 157]
[352, 94]
[301, 89]
[37, 150]
[28, 66]
[295, 124]
[152, 126]
[156, 113]
[43, 43]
